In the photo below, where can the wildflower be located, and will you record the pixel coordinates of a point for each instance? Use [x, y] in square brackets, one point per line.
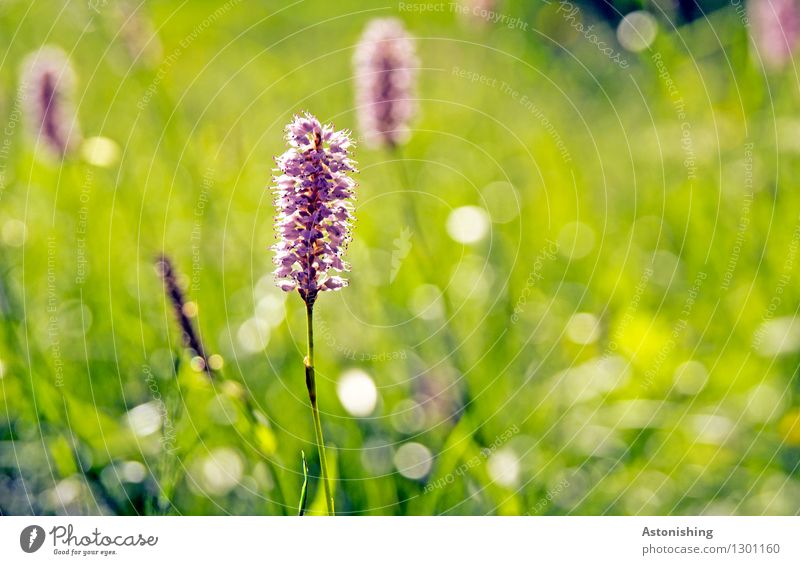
[775, 30]
[182, 309]
[313, 194]
[47, 86]
[137, 33]
[385, 66]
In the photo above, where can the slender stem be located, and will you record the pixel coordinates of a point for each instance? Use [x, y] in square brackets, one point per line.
[408, 202]
[311, 384]
[429, 269]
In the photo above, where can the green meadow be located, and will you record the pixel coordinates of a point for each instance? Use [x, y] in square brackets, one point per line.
[573, 290]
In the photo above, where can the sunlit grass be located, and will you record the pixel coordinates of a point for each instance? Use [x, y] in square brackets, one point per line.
[602, 336]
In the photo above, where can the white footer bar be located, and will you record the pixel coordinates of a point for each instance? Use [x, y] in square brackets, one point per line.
[355, 541]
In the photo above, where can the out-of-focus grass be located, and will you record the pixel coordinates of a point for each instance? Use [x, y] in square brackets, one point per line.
[524, 405]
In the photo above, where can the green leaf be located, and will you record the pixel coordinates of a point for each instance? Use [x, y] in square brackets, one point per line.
[301, 508]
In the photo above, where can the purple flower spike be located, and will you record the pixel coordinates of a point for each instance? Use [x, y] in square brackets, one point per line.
[46, 90]
[776, 29]
[313, 198]
[386, 68]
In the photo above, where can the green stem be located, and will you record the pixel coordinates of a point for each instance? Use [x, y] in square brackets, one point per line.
[408, 201]
[312, 396]
[429, 269]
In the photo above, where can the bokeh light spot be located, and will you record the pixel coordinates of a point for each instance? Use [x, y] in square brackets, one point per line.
[357, 392]
[413, 460]
[637, 31]
[468, 224]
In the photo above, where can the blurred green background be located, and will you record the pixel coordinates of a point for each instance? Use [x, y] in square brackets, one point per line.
[594, 314]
